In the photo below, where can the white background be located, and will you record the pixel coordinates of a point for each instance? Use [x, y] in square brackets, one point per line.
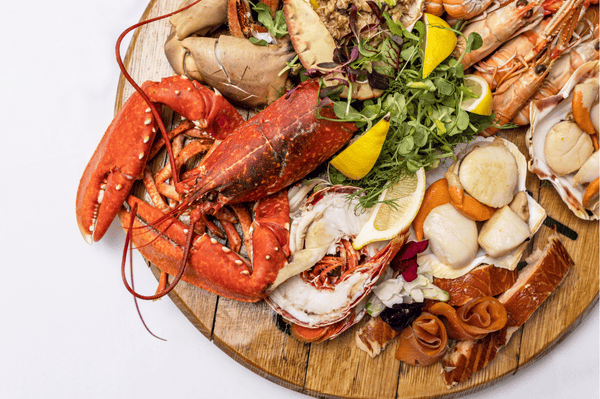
[68, 328]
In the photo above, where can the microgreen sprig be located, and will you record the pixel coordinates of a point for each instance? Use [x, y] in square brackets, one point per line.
[427, 120]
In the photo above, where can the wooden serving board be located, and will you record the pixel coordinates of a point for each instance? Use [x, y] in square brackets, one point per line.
[252, 335]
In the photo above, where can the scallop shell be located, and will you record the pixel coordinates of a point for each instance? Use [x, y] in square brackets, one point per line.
[509, 261]
[543, 115]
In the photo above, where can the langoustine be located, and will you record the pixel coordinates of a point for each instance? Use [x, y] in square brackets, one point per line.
[498, 27]
[519, 68]
[515, 92]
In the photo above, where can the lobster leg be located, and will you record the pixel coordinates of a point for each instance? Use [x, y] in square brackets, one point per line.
[211, 265]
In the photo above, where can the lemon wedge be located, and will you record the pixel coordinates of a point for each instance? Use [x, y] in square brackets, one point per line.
[387, 221]
[359, 157]
[439, 42]
[482, 104]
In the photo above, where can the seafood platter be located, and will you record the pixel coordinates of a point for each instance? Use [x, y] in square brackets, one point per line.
[384, 183]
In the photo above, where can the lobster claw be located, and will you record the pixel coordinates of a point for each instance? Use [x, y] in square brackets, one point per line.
[117, 162]
[210, 111]
[121, 156]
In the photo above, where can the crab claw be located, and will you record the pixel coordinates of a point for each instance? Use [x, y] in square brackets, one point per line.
[117, 162]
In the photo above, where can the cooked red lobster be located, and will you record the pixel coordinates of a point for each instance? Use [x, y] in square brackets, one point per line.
[254, 162]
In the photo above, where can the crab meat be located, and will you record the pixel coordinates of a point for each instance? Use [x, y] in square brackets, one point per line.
[315, 44]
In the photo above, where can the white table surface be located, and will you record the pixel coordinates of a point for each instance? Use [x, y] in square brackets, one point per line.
[68, 328]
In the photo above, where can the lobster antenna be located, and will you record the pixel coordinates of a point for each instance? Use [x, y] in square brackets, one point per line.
[129, 245]
[137, 88]
[186, 253]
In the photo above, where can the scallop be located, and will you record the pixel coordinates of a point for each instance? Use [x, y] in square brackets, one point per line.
[452, 236]
[589, 171]
[503, 232]
[595, 117]
[546, 114]
[567, 147]
[525, 206]
[489, 173]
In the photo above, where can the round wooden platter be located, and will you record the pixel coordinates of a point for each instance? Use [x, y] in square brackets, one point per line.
[253, 335]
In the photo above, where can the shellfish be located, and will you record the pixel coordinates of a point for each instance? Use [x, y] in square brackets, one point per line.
[545, 114]
[332, 278]
[508, 254]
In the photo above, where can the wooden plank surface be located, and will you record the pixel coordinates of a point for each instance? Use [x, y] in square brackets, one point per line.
[253, 335]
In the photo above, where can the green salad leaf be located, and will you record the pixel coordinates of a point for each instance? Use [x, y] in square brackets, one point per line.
[427, 120]
[276, 25]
